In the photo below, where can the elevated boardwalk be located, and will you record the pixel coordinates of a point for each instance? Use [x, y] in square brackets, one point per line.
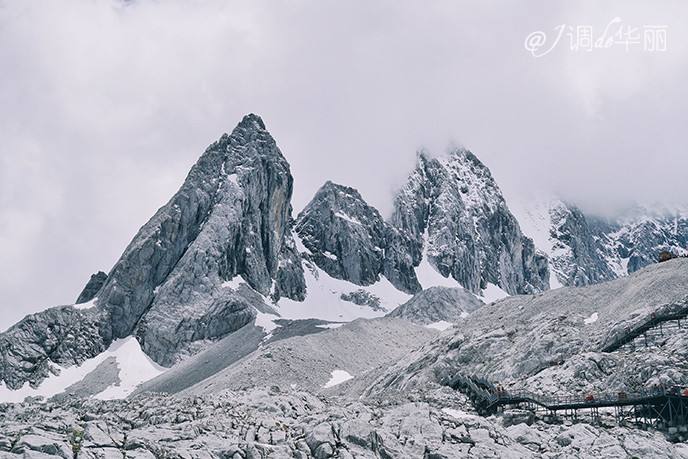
[670, 317]
[664, 408]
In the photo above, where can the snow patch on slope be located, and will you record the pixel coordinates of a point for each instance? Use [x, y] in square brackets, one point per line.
[441, 325]
[535, 220]
[86, 305]
[347, 218]
[266, 321]
[134, 366]
[233, 283]
[592, 319]
[492, 293]
[428, 276]
[426, 273]
[338, 377]
[323, 298]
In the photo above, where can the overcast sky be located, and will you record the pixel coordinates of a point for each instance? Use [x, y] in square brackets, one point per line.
[105, 105]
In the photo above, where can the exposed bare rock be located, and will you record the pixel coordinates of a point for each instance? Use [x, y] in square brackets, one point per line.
[93, 286]
[277, 424]
[176, 285]
[349, 240]
[453, 209]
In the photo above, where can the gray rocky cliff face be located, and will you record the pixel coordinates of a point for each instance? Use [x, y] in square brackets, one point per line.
[93, 286]
[349, 240]
[230, 218]
[176, 285]
[578, 256]
[62, 335]
[587, 249]
[452, 209]
[641, 238]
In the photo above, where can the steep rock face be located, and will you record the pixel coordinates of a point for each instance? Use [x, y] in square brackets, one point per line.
[177, 284]
[437, 304]
[93, 286]
[453, 209]
[586, 249]
[349, 240]
[230, 218]
[641, 236]
[578, 251]
[30, 349]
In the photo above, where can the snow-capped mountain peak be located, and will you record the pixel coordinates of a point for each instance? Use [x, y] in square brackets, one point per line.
[453, 205]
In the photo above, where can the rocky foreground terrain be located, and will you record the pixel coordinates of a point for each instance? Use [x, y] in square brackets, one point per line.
[270, 423]
[277, 402]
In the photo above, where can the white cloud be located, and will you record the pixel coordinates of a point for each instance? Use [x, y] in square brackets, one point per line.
[105, 105]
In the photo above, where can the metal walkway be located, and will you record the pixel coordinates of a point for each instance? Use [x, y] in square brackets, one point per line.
[662, 408]
[669, 316]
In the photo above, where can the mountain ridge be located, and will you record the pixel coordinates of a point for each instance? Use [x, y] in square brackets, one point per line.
[225, 253]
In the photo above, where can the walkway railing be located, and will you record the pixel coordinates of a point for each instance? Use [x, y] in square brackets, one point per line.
[673, 312]
[666, 404]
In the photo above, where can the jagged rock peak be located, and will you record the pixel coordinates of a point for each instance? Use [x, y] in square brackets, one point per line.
[348, 239]
[452, 208]
[586, 249]
[176, 287]
[244, 233]
[343, 190]
[230, 217]
[578, 248]
[252, 121]
[93, 286]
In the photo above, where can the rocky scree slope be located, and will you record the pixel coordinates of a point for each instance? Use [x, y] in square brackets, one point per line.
[438, 304]
[173, 286]
[307, 362]
[550, 342]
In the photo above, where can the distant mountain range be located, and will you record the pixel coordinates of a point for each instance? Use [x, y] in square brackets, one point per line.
[227, 253]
